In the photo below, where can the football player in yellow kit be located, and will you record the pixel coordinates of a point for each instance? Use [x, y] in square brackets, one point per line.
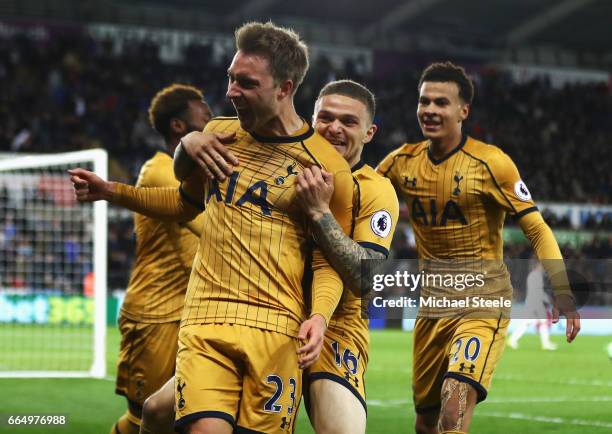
[335, 384]
[245, 313]
[151, 311]
[458, 191]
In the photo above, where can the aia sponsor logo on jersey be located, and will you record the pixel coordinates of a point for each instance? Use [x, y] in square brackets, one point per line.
[256, 194]
[450, 212]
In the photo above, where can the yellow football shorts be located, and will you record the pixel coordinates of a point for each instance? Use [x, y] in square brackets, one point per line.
[147, 356]
[460, 348]
[244, 375]
[344, 360]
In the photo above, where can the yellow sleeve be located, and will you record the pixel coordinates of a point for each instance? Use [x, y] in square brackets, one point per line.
[341, 203]
[377, 215]
[163, 203]
[196, 225]
[547, 250]
[157, 172]
[505, 186]
[327, 287]
[388, 168]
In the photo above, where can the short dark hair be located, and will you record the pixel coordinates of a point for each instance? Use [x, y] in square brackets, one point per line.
[285, 51]
[171, 102]
[445, 72]
[352, 89]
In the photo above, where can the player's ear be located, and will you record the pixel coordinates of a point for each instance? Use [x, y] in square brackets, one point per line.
[315, 112]
[178, 126]
[465, 111]
[286, 89]
[370, 134]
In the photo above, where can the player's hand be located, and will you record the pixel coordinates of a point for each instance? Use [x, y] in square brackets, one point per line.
[565, 305]
[210, 152]
[312, 331]
[314, 188]
[89, 187]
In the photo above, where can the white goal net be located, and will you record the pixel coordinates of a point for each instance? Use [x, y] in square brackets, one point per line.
[52, 269]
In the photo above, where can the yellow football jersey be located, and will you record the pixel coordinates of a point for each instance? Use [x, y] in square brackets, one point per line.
[255, 242]
[457, 205]
[375, 214]
[164, 256]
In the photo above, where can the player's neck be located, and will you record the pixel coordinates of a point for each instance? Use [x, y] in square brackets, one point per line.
[171, 144]
[285, 123]
[354, 160]
[440, 148]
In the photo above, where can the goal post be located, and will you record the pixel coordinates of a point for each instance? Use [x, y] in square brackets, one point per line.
[53, 283]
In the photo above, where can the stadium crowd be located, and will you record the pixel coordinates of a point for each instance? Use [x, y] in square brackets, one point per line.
[73, 92]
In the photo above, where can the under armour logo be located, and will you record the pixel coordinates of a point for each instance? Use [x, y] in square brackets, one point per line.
[285, 422]
[409, 182]
[355, 380]
[471, 368]
[280, 180]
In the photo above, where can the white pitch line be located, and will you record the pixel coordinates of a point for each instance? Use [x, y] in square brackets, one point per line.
[548, 399]
[565, 382]
[545, 419]
[512, 377]
[384, 369]
[388, 402]
[514, 400]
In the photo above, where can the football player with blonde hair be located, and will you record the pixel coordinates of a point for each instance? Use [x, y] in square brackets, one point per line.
[334, 385]
[245, 330]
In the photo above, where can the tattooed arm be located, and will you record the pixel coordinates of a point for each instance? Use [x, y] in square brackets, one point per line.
[341, 251]
[314, 188]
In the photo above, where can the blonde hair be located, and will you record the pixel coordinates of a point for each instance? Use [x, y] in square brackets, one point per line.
[286, 53]
[354, 90]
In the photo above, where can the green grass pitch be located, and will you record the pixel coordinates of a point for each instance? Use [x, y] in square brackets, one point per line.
[567, 391]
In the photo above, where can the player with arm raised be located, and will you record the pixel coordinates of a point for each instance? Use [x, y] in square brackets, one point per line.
[151, 312]
[458, 191]
[244, 303]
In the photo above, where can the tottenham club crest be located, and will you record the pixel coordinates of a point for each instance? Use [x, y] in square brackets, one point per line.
[521, 191]
[381, 223]
[457, 178]
[179, 390]
[280, 180]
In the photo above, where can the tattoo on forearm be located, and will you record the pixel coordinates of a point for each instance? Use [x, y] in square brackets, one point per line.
[341, 251]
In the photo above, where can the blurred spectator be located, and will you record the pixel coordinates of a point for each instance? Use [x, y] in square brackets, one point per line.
[73, 92]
